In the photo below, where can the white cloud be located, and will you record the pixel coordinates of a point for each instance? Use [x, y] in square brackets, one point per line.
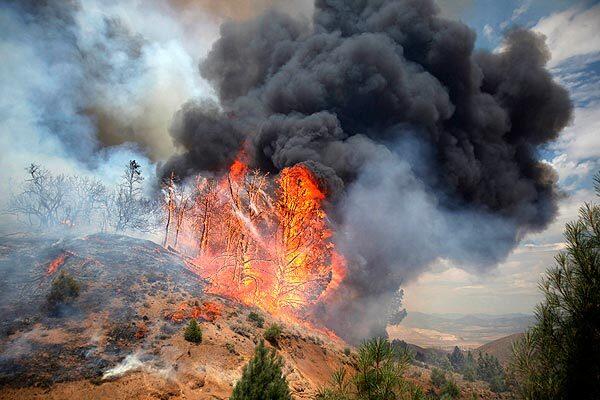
[488, 32]
[571, 172]
[583, 84]
[574, 32]
[522, 9]
[517, 12]
[581, 141]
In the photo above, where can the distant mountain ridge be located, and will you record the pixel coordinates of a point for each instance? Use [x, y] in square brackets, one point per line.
[509, 323]
[477, 315]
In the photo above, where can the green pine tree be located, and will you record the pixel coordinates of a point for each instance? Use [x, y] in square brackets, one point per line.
[559, 357]
[457, 359]
[262, 378]
[379, 375]
[193, 333]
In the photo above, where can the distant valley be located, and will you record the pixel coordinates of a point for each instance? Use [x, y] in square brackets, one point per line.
[463, 330]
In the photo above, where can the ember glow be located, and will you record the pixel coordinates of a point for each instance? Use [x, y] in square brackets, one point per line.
[208, 311]
[261, 240]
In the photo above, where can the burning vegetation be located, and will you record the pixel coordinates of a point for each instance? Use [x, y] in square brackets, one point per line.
[57, 262]
[208, 311]
[262, 241]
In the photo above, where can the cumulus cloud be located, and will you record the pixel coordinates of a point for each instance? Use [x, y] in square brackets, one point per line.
[573, 32]
[571, 171]
[580, 141]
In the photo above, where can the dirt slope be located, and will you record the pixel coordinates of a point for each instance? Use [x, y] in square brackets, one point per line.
[501, 348]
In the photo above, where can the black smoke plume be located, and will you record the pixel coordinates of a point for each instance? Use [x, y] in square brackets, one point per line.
[429, 147]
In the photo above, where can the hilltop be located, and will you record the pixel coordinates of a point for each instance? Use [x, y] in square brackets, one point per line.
[122, 336]
[501, 348]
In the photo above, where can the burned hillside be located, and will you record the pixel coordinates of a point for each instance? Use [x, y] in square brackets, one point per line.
[126, 323]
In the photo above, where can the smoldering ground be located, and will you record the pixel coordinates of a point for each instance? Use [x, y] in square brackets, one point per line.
[428, 147]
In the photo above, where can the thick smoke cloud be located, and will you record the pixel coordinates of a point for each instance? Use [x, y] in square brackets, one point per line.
[432, 145]
[211, 139]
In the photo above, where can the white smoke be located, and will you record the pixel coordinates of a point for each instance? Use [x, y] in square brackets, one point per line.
[88, 86]
[135, 362]
[131, 363]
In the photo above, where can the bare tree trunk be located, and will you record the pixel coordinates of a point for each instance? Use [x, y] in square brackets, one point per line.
[179, 221]
[167, 226]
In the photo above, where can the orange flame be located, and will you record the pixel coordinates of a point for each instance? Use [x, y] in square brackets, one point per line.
[56, 263]
[265, 242]
[209, 311]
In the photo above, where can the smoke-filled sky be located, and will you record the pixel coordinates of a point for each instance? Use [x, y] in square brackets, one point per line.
[453, 140]
[572, 31]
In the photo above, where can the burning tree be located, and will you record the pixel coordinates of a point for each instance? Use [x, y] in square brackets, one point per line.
[177, 202]
[265, 242]
[303, 249]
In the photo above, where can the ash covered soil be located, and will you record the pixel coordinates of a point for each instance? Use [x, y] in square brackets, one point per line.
[122, 336]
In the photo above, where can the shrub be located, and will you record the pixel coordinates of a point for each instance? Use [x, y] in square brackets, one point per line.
[438, 377]
[490, 371]
[450, 390]
[404, 354]
[330, 394]
[498, 384]
[457, 359]
[273, 333]
[347, 351]
[262, 378]
[257, 319]
[379, 376]
[469, 374]
[192, 332]
[230, 347]
[434, 358]
[413, 392]
[340, 387]
[64, 288]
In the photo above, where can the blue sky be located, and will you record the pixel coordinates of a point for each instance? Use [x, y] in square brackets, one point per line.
[572, 31]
